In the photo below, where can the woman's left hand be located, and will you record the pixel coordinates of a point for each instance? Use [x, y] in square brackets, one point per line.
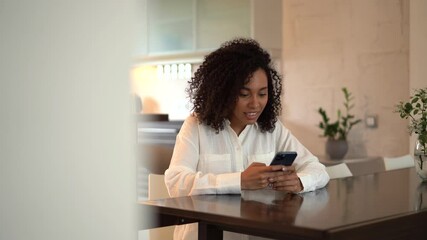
[288, 181]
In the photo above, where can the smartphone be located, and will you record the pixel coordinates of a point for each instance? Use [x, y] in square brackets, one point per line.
[284, 158]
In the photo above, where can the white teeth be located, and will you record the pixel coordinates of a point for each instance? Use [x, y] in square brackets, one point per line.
[251, 114]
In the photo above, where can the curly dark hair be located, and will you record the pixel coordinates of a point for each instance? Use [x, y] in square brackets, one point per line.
[216, 84]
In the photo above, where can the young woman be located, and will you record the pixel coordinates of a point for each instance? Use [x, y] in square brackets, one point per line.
[227, 143]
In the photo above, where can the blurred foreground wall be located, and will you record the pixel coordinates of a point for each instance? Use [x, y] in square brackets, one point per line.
[67, 166]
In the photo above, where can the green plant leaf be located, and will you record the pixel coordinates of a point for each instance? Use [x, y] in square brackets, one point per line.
[341, 127]
[416, 111]
[414, 100]
[408, 107]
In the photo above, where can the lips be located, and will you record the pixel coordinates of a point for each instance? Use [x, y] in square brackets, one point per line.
[251, 115]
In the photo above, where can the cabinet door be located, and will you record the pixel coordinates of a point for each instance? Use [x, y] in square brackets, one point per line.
[221, 20]
[170, 26]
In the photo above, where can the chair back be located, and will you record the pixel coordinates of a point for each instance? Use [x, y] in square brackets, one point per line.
[392, 163]
[157, 190]
[340, 170]
[156, 187]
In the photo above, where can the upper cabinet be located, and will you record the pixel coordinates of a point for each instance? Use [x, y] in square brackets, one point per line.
[219, 21]
[170, 26]
[188, 29]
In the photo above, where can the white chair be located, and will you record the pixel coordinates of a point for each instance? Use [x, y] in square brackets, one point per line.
[338, 171]
[157, 187]
[157, 190]
[405, 161]
[366, 165]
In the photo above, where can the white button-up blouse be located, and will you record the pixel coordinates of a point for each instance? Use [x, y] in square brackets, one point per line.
[206, 162]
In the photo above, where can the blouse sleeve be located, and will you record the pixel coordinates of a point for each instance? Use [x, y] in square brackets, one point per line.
[310, 171]
[182, 178]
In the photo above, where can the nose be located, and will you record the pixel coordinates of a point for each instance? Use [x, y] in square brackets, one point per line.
[254, 101]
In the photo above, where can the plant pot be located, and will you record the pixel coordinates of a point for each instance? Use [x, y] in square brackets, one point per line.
[421, 196]
[336, 149]
[420, 158]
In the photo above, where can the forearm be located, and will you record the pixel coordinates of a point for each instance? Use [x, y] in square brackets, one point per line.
[313, 176]
[182, 181]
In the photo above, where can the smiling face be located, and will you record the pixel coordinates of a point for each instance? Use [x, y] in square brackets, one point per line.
[251, 102]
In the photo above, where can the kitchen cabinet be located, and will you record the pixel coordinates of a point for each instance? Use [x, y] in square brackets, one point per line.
[156, 141]
[170, 24]
[192, 28]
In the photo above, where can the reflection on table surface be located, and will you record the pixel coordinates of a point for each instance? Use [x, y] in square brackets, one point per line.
[342, 202]
[269, 205]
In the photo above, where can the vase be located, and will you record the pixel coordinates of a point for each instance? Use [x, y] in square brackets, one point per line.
[421, 196]
[336, 149]
[420, 158]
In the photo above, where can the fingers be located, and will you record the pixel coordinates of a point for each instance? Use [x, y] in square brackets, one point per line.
[272, 168]
[290, 186]
[279, 170]
[261, 182]
[256, 164]
[255, 176]
[275, 168]
[287, 182]
[258, 175]
[288, 169]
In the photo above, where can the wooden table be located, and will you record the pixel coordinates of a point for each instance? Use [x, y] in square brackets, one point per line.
[386, 205]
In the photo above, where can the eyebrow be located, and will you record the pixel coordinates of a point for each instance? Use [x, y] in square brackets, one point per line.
[248, 89]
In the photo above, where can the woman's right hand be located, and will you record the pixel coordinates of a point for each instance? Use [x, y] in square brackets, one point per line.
[258, 176]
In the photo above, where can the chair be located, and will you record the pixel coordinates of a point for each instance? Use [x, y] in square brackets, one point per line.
[157, 190]
[156, 187]
[394, 163]
[338, 171]
[364, 166]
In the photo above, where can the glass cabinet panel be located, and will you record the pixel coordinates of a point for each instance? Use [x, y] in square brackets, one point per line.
[170, 26]
[221, 20]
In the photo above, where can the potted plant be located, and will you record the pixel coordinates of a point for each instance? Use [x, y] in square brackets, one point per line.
[416, 111]
[337, 132]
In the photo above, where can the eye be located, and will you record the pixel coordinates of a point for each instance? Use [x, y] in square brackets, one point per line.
[262, 94]
[243, 94]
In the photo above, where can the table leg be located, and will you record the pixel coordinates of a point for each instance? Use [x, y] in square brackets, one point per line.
[209, 232]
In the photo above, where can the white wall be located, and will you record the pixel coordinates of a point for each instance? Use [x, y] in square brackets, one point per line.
[359, 44]
[67, 168]
[418, 44]
[417, 49]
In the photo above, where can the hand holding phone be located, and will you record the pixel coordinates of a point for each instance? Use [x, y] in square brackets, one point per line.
[284, 158]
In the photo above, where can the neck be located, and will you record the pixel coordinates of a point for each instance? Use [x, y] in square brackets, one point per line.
[238, 129]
